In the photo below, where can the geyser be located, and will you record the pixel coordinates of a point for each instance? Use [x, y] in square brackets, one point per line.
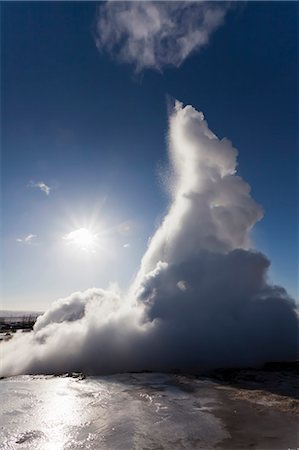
[201, 298]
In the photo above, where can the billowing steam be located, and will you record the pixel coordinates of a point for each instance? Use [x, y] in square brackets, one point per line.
[201, 298]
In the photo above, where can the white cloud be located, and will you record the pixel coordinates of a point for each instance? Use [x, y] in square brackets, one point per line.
[40, 185]
[126, 245]
[152, 34]
[182, 285]
[201, 298]
[27, 239]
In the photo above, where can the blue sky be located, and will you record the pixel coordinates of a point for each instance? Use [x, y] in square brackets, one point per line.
[96, 133]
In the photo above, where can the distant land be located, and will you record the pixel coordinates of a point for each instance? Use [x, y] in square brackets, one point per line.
[13, 321]
[6, 313]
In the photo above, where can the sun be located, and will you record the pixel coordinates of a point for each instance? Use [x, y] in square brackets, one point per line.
[83, 239]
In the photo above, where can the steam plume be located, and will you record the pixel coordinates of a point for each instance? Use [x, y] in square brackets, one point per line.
[201, 298]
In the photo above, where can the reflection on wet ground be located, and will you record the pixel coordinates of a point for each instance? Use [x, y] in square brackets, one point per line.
[135, 411]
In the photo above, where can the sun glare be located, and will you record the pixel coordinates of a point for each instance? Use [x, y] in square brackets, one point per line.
[83, 239]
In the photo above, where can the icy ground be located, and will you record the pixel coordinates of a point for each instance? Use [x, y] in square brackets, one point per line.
[135, 411]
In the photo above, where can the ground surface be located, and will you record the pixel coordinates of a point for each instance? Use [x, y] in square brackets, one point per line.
[144, 411]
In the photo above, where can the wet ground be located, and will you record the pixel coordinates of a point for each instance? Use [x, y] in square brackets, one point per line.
[139, 411]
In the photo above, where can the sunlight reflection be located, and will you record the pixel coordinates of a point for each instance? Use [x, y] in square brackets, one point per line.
[60, 416]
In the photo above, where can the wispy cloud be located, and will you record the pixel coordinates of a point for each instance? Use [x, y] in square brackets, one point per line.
[27, 239]
[40, 185]
[153, 35]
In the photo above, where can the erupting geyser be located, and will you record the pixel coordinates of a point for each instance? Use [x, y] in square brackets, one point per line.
[201, 298]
